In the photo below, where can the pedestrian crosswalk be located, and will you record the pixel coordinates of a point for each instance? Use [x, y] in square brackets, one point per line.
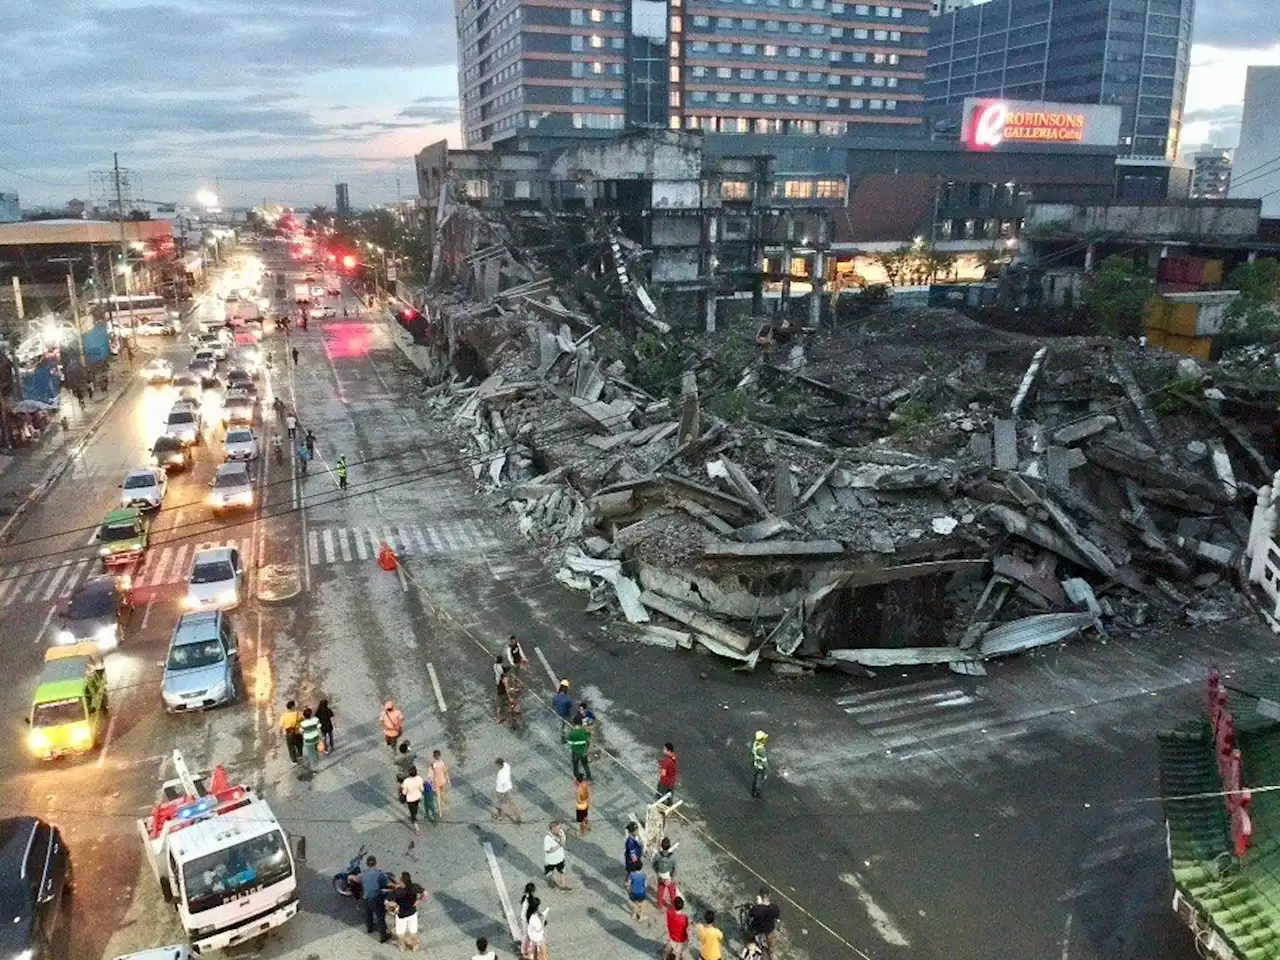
[928, 710]
[345, 545]
[49, 579]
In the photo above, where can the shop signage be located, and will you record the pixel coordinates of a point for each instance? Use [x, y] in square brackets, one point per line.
[998, 121]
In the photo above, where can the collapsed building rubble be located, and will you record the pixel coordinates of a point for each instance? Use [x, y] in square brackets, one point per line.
[916, 489]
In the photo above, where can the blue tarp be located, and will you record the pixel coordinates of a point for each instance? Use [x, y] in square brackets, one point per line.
[97, 344]
[42, 383]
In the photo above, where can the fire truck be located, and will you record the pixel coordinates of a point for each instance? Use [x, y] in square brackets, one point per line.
[221, 858]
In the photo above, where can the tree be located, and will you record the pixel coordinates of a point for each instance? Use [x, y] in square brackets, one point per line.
[895, 263]
[1116, 296]
[1255, 310]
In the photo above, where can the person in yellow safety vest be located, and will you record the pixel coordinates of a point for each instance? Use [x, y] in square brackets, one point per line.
[342, 473]
[759, 761]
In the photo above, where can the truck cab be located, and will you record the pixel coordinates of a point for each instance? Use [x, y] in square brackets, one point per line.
[123, 536]
[69, 711]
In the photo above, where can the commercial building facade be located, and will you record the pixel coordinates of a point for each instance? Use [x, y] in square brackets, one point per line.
[545, 71]
[1210, 174]
[342, 198]
[1133, 54]
[1256, 173]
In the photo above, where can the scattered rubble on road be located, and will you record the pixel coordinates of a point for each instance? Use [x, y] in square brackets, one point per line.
[909, 488]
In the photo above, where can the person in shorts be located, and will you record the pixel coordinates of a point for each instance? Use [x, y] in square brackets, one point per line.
[406, 895]
[582, 803]
[637, 892]
[553, 856]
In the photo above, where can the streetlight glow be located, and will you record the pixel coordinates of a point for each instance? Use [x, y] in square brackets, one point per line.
[206, 198]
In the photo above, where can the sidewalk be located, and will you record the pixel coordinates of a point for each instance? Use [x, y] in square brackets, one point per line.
[27, 471]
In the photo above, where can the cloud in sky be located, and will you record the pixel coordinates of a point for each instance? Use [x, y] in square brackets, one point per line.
[282, 98]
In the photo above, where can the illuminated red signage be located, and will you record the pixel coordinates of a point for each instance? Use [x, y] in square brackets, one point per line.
[1238, 797]
[996, 122]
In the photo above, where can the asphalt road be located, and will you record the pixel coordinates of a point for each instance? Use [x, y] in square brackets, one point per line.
[923, 816]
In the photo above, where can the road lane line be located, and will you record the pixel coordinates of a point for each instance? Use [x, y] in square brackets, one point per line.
[73, 580]
[51, 589]
[31, 578]
[146, 613]
[93, 537]
[362, 548]
[7, 586]
[880, 920]
[503, 899]
[404, 583]
[420, 540]
[555, 681]
[44, 626]
[313, 546]
[344, 548]
[106, 740]
[435, 685]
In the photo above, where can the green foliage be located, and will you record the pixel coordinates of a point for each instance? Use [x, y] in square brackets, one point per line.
[911, 418]
[731, 405]
[895, 263]
[1255, 310]
[1116, 296]
[659, 364]
[1180, 393]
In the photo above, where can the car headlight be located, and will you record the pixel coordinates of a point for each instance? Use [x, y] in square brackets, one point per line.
[65, 636]
[38, 740]
[108, 636]
[81, 734]
[218, 690]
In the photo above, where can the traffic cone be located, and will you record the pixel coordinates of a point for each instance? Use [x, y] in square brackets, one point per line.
[387, 558]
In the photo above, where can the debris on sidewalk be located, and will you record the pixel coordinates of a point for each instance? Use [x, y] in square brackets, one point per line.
[912, 488]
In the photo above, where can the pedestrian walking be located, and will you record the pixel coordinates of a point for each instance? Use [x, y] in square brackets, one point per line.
[483, 950]
[291, 727]
[412, 788]
[504, 790]
[304, 458]
[88, 386]
[664, 866]
[553, 855]
[677, 930]
[373, 887]
[342, 473]
[762, 919]
[515, 654]
[291, 425]
[668, 773]
[759, 761]
[637, 893]
[310, 731]
[562, 704]
[528, 900]
[405, 760]
[392, 722]
[582, 804]
[440, 779]
[633, 850]
[324, 713]
[78, 392]
[536, 930]
[295, 356]
[498, 669]
[579, 748]
[310, 441]
[710, 938]
[407, 895]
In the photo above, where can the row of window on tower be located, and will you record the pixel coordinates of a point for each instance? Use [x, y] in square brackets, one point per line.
[785, 99]
[786, 76]
[750, 25]
[794, 52]
[770, 125]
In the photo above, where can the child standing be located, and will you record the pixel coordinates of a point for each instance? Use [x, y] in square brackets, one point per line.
[637, 892]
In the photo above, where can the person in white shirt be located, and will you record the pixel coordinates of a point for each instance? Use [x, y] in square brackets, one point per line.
[412, 788]
[536, 930]
[483, 952]
[553, 856]
[503, 788]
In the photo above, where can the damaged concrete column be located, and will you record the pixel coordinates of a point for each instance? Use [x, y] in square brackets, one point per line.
[690, 413]
[819, 273]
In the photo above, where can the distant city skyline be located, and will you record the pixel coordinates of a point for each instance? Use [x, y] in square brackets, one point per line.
[279, 101]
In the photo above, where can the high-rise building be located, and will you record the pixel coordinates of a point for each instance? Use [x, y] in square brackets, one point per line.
[342, 198]
[1256, 166]
[1131, 53]
[10, 212]
[1210, 174]
[950, 6]
[814, 67]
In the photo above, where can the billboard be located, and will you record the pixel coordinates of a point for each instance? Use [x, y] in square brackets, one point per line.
[992, 124]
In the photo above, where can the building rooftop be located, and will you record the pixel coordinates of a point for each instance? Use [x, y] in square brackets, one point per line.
[67, 230]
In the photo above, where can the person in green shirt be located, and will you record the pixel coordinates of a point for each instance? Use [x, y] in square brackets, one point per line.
[579, 745]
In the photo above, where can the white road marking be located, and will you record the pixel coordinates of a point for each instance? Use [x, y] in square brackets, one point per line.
[93, 537]
[10, 581]
[1066, 938]
[435, 685]
[51, 589]
[362, 549]
[146, 613]
[106, 740]
[882, 922]
[74, 579]
[44, 627]
[546, 666]
[328, 546]
[313, 546]
[344, 548]
[503, 899]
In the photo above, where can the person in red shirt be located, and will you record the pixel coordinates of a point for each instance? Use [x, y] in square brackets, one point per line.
[677, 930]
[668, 772]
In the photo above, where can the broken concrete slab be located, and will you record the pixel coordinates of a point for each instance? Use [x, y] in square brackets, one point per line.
[690, 412]
[1079, 591]
[784, 488]
[1083, 429]
[1150, 421]
[738, 643]
[1028, 385]
[782, 548]
[699, 512]
[721, 596]
[763, 530]
[1057, 467]
[1004, 441]
[1037, 578]
[1223, 471]
[1127, 457]
[900, 656]
[746, 489]
[664, 637]
[610, 571]
[1036, 532]
[615, 417]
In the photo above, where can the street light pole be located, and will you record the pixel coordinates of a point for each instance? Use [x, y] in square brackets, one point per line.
[75, 308]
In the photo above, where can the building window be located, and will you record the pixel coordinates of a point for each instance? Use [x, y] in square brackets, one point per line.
[882, 11]
[770, 74]
[877, 81]
[701, 21]
[577, 69]
[699, 46]
[895, 36]
[698, 71]
[881, 35]
[797, 189]
[675, 98]
[674, 122]
[768, 98]
[748, 23]
[793, 51]
[855, 103]
[837, 8]
[879, 58]
[833, 102]
[617, 43]
[618, 16]
[833, 56]
[735, 190]
[724, 23]
[816, 53]
[674, 74]
[860, 33]
[896, 13]
[862, 10]
[698, 96]
[724, 48]
[617, 93]
[577, 17]
[723, 96]
[793, 99]
[875, 104]
[724, 73]
[597, 16]
[597, 41]
[749, 49]
[858, 57]
[577, 43]
[837, 32]
[770, 50]
[891, 104]
[833, 128]
[677, 24]
[795, 27]
[833, 80]
[675, 48]
[829, 190]
[792, 76]
[746, 98]
[578, 95]
[813, 77]
[772, 26]
[857, 79]
[891, 81]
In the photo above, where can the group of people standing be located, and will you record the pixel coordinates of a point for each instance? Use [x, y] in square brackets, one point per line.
[307, 733]
[423, 788]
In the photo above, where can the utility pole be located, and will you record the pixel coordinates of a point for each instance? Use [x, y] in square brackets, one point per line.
[75, 308]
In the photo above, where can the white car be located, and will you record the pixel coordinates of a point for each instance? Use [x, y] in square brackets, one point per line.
[144, 487]
[158, 370]
[232, 488]
[161, 953]
[241, 443]
[155, 327]
[217, 579]
[323, 313]
[183, 423]
[317, 291]
[210, 355]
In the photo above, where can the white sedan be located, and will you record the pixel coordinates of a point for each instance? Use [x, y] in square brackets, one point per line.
[216, 581]
[158, 370]
[144, 487]
[241, 443]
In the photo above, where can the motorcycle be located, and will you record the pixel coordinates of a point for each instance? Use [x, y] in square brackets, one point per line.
[342, 880]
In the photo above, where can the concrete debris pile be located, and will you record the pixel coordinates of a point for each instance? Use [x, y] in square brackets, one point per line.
[916, 489]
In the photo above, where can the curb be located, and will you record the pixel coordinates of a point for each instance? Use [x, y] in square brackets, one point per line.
[54, 475]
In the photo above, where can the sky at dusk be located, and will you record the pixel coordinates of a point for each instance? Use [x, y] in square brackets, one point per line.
[280, 99]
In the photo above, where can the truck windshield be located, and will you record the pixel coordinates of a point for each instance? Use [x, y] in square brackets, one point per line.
[56, 714]
[220, 877]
